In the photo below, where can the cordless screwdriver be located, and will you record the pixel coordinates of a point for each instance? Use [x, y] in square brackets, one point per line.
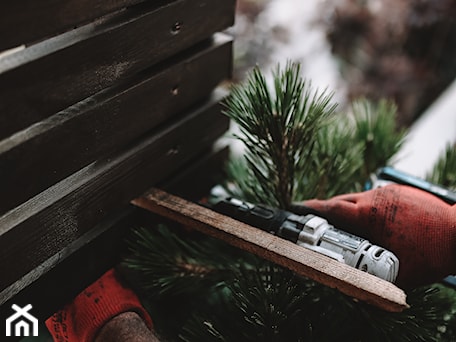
[314, 232]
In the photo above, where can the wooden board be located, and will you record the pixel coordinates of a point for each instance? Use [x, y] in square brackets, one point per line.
[75, 137]
[44, 225]
[84, 260]
[196, 180]
[327, 271]
[26, 21]
[48, 77]
[60, 278]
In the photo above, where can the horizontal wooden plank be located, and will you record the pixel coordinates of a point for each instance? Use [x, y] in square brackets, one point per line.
[197, 179]
[308, 263]
[50, 76]
[60, 278]
[84, 260]
[26, 21]
[73, 138]
[53, 219]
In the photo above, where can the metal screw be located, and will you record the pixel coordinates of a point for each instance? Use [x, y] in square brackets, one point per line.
[175, 90]
[175, 29]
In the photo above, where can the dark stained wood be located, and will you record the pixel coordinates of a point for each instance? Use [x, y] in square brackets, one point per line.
[103, 247]
[47, 77]
[103, 100]
[306, 262]
[73, 138]
[79, 264]
[195, 181]
[26, 21]
[42, 227]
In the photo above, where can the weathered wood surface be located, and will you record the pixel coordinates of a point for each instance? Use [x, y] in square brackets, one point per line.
[60, 278]
[348, 280]
[26, 21]
[102, 100]
[63, 276]
[50, 76]
[41, 227]
[76, 136]
[196, 180]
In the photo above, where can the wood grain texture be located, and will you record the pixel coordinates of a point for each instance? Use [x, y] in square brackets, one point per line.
[26, 21]
[75, 137]
[197, 179]
[50, 221]
[59, 279]
[348, 280]
[50, 76]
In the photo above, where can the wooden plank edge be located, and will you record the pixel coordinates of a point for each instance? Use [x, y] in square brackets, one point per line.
[23, 289]
[54, 218]
[200, 175]
[305, 262]
[106, 239]
[50, 18]
[132, 41]
[107, 108]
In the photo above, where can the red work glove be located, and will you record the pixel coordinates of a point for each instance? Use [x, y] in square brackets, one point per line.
[415, 225]
[106, 298]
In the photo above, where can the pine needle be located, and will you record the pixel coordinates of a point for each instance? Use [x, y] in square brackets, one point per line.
[444, 171]
[278, 128]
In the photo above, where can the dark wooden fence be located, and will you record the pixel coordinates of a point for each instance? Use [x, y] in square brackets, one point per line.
[99, 100]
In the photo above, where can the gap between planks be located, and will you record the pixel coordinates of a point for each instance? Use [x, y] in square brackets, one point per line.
[305, 262]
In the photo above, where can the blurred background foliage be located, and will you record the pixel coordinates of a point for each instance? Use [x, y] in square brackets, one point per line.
[402, 50]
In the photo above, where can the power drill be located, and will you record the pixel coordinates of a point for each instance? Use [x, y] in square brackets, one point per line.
[315, 233]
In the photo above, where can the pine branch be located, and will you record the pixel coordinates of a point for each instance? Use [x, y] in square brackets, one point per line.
[172, 265]
[376, 128]
[278, 127]
[294, 151]
[334, 164]
[242, 183]
[272, 304]
[265, 305]
[444, 171]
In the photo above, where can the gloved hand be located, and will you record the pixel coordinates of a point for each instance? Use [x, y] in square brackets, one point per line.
[415, 225]
[81, 320]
